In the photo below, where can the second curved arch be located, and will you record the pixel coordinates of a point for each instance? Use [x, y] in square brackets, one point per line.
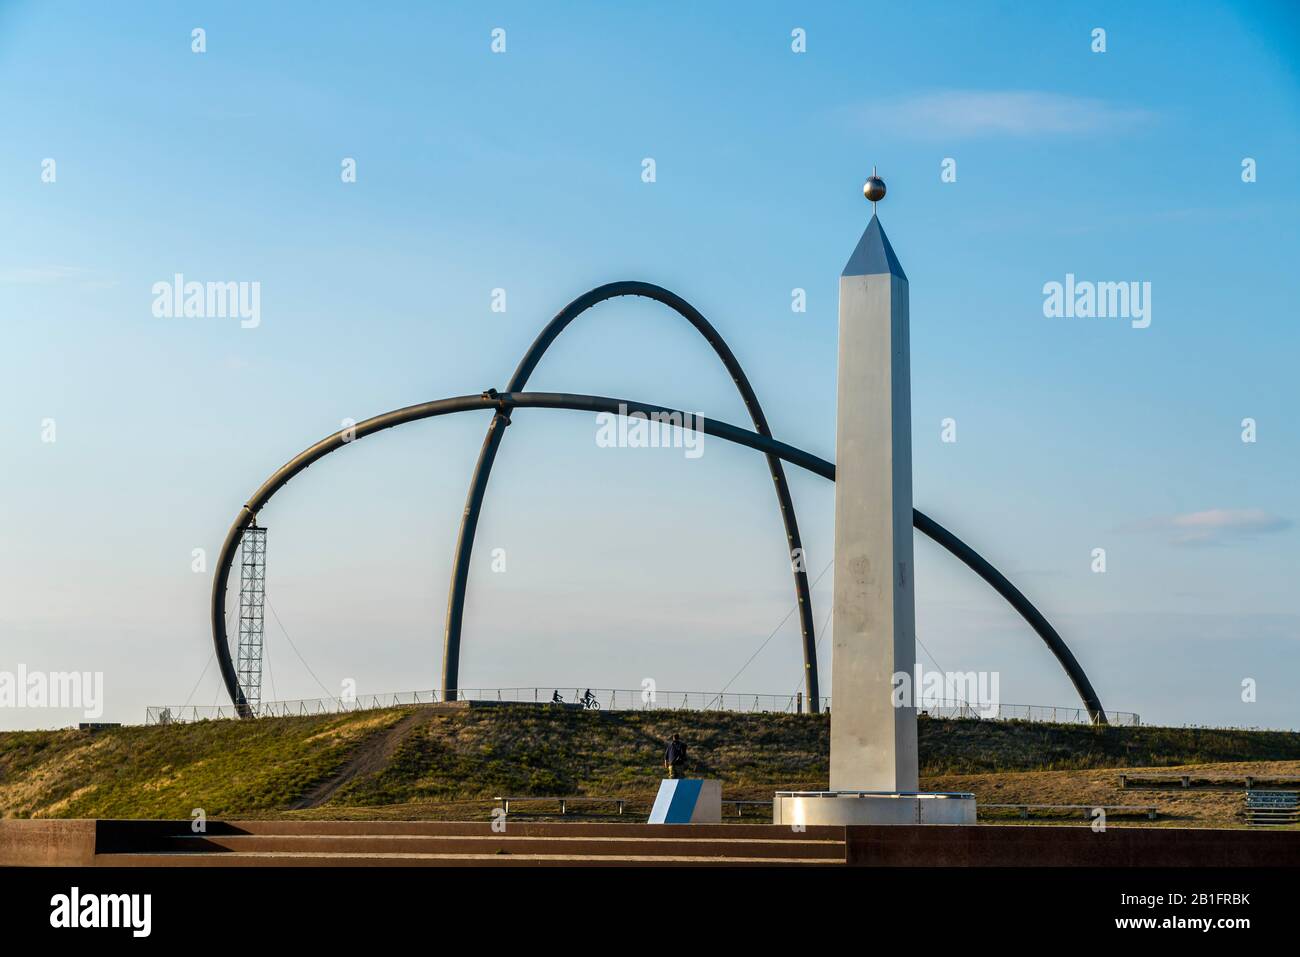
[765, 444]
[496, 432]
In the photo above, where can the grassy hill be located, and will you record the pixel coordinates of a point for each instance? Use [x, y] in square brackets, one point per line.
[447, 763]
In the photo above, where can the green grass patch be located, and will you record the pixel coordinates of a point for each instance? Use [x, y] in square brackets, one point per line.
[265, 766]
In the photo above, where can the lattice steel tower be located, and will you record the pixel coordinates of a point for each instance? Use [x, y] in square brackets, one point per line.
[252, 612]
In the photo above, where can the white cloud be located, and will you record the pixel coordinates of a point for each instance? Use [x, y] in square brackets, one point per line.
[950, 113]
[1218, 525]
[52, 275]
[41, 275]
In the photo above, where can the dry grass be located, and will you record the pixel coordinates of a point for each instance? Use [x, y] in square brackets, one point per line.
[1176, 807]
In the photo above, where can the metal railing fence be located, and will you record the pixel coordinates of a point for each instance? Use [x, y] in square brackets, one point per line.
[622, 699]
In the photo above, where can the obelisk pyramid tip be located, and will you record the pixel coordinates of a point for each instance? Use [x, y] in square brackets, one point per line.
[873, 255]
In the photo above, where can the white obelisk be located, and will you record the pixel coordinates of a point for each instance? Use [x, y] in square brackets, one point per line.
[874, 762]
[873, 738]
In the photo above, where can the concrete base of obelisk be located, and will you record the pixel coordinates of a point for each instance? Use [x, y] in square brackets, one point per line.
[804, 808]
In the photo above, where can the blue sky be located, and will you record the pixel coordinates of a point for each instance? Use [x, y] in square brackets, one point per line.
[523, 171]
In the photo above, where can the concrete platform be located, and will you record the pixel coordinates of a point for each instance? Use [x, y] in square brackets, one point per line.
[303, 843]
[794, 808]
[300, 843]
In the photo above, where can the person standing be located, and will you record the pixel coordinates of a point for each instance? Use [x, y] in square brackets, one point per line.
[675, 758]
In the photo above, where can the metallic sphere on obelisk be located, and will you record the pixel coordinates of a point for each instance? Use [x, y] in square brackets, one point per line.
[874, 765]
[874, 189]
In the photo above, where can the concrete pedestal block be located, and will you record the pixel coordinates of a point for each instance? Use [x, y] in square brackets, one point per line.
[688, 801]
[871, 807]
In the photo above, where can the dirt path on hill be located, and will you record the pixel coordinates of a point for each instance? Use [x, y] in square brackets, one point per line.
[370, 757]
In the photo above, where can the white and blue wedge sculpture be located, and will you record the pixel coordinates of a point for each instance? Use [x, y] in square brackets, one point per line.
[687, 801]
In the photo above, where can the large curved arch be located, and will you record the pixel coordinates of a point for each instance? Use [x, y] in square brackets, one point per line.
[505, 402]
[496, 432]
[226, 557]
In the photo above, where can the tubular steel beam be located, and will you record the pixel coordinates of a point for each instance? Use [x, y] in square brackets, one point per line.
[503, 403]
[276, 482]
[496, 432]
[976, 563]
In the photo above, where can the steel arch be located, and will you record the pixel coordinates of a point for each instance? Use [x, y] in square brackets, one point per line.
[496, 432]
[503, 403]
